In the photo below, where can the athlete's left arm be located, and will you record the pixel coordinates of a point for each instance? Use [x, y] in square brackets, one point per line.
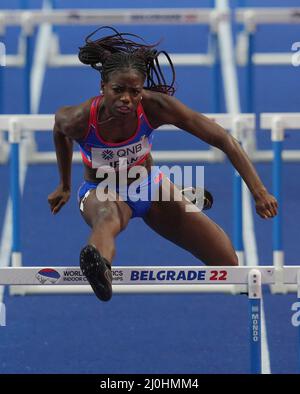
[176, 113]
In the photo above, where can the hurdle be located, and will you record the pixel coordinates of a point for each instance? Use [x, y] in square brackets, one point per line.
[23, 59]
[46, 122]
[277, 123]
[251, 18]
[246, 56]
[30, 19]
[166, 280]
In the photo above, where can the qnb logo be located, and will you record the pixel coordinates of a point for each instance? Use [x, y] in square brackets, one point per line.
[2, 315]
[107, 154]
[296, 56]
[2, 55]
[296, 316]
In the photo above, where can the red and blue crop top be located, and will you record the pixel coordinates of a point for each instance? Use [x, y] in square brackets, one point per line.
[97, 152]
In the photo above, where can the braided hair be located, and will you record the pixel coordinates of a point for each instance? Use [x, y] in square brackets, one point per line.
[118, 51]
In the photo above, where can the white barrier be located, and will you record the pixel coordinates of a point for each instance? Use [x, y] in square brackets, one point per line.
[247, 57]
[179, 276]
[252, 16]
[131, 16]
[139, 279]
[28, 20]
[287, 120]
[277, 123]
[46, 122]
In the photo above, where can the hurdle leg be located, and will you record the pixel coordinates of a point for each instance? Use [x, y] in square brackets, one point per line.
[254, 296]
[15, 139]
[277, 136]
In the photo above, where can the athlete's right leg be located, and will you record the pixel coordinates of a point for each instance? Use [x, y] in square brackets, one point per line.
[107, 219]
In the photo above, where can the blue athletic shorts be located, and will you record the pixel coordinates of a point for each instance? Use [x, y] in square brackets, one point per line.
[138, 198]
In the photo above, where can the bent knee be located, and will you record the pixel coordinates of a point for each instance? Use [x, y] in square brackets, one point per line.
[229, 258]
[233, 260]
[114, 216]
[105, 215]
[222, 258]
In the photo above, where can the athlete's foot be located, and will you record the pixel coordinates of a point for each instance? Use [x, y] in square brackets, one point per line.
[97, 271]
[202, 198]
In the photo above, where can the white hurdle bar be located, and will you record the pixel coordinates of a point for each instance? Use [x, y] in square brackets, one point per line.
[46, 122]
[268, 15]
[73, 17]
[251, 17]
[132, 16]
[246, 56]
[134, 279]
[277, 123]
[170, 279]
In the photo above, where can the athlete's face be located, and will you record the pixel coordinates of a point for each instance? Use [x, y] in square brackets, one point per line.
[123, 92]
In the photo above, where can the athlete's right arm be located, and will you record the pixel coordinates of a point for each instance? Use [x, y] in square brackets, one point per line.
[67, 127]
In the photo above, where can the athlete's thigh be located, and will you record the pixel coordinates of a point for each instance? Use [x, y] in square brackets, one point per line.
[96, 212]
[182, 223]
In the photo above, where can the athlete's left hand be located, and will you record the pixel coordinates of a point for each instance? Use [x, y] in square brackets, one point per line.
[266, 205]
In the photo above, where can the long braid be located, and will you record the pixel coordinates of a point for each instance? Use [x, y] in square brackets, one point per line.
[118, 51]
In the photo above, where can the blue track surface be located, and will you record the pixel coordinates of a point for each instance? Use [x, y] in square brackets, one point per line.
[146, 334]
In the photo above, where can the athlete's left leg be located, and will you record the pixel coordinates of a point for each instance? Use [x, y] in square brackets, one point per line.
[193, 231]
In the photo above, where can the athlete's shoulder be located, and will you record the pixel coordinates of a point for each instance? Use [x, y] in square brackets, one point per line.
[152, 98]
[153, 104]
[73, 120]
[161, 108]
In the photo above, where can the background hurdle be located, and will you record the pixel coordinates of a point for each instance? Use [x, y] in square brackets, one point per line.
[277, 123]
[46, 122]
[252, 18]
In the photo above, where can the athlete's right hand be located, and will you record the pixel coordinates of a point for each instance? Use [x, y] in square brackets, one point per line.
[58, 198]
